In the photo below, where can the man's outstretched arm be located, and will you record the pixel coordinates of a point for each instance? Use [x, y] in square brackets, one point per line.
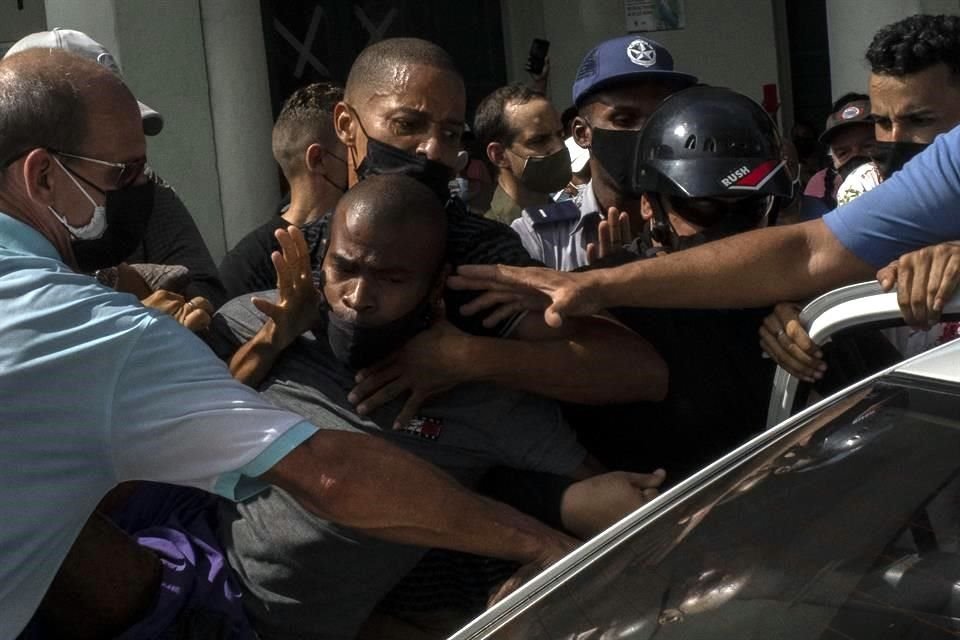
[363, 482]
[751, 269]
[758, 268]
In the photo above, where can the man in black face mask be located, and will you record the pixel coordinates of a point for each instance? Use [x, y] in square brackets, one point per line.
[619, 84]
[709, 165]
[403, 112]
[522, 136]
[158, 230]
[383, 275]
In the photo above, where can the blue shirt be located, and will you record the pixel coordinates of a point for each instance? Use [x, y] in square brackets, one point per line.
[97, 390]
[557, 239]
[916, 207]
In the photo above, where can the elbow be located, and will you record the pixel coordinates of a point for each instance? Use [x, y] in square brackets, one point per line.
[631, 370]
[635, 375]
[319, 475]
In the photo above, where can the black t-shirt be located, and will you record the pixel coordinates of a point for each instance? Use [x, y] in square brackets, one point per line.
[247, 267]
[473, 239]
[718, 394]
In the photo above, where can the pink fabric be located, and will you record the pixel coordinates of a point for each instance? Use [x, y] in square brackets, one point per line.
[817, 185]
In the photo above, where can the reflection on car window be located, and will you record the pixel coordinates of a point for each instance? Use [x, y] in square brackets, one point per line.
[845, 529]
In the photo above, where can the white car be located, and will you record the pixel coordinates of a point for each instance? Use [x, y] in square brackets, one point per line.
[840, 523]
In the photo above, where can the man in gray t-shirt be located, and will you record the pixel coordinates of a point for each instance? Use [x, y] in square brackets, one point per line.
[382, 276]
[299, 569]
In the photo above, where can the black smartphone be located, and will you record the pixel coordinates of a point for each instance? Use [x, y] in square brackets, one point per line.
[538, 55]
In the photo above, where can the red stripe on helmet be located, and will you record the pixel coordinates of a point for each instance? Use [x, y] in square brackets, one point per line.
[758, 175]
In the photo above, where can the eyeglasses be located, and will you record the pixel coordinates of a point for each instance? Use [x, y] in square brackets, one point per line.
[126, 172]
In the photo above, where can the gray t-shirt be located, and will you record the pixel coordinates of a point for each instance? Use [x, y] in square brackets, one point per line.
[308, 578]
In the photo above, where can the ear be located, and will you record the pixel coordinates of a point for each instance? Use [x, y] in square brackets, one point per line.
[39, 177]
[345, 124]
[646, 209]
[582, 134]
[313, 158]
[497, 153]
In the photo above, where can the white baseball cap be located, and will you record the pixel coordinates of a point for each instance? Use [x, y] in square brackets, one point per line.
[82, 44]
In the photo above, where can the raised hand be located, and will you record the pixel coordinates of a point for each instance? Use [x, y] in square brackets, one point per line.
[612, 234]
[297, 308]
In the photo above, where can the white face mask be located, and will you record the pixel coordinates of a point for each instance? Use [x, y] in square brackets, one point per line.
[98, 223]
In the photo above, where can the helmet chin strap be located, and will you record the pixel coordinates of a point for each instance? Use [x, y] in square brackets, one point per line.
[661, 229]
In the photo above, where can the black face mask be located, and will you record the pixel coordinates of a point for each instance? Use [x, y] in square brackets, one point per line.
[545, 174]
[128, 211]
[891, 156]
[342, 188]
[386, 159]
[614, 150]
[358, 347]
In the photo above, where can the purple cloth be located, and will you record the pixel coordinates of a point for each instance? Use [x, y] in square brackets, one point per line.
[198, 596]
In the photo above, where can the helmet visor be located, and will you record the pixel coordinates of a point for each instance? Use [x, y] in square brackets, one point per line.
[751, 211]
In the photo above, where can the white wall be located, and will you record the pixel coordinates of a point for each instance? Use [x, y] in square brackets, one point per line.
[851, 25]
[242, 114]
[202, 65]
[726, 42]
[16, 23]
[164, 64]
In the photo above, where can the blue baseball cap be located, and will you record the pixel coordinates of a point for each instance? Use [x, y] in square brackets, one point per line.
[624, 59]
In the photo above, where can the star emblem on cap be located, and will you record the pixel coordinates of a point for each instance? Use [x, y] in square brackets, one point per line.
[642, 53]
[850, 113]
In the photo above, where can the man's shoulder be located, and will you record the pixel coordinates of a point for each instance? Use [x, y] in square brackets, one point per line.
[564, 213]
[259, 239]
[241, 310]
[66, 314]
[473, 239]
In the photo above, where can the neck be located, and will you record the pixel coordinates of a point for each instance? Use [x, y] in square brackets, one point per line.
[518, 193]
[18, 206]
[308, 204]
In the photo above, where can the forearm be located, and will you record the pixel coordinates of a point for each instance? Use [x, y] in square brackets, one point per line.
[752, 269]
[365, 483]
[251, 363]
[597, 362]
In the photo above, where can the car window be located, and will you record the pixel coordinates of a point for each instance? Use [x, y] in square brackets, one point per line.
[845, 529]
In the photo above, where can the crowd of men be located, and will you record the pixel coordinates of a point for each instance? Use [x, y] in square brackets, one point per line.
[385, 410]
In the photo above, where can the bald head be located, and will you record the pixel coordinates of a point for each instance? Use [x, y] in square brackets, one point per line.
[380, 66]
[49, 98]
[396, 206]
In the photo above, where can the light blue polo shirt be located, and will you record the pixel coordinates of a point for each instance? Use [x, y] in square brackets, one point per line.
[916, 207]
[97, 390]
